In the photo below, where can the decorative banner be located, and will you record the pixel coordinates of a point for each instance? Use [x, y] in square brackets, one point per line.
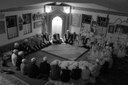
[76, 20]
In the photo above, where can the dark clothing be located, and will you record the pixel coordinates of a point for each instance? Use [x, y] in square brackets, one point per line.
[45, 68]
[18, 62]
[24, 68]
[65, 76]
[33, 70]
[76, 73]
[55, 72]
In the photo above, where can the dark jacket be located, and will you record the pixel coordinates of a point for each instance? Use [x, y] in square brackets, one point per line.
[65, 76]
[18, 62]
[45, 68]
[55, 72]
[76, 73]
[33, 70]
[24, 68]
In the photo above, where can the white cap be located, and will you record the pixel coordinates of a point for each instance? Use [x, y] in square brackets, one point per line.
[33, 60]
[24, 60]
[15, 50]
[20, 53]
[45, 58]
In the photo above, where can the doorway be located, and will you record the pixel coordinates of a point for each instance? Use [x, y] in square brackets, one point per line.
[57, 23]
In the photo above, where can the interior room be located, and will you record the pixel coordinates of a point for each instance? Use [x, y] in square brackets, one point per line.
[64, 42]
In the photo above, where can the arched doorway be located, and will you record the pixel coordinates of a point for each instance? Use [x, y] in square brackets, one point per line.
[57, 24]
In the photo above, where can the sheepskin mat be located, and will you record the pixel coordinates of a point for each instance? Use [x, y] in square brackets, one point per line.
[66, 51]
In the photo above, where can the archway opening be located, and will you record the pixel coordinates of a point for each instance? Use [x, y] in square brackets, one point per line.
[57, 25]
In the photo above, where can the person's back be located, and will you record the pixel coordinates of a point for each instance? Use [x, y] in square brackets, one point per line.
[45, 68]
[14, 57]
[33, 69]
[55, 72]
[65, 76]
[76, 73]
[85, 75]
[24, 66]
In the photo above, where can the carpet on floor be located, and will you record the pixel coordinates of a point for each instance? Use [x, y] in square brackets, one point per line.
[66, 51]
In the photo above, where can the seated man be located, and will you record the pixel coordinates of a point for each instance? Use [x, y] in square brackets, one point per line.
[47, 38]
[14, 57]
[33, 69]
[19, 59]
[76, 72]
[67, 36]
[55, 70]
[18, 46]
[70, 40]
[45, 68]
[24, 67]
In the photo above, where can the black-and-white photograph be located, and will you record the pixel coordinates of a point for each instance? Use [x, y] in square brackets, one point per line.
[64, 42]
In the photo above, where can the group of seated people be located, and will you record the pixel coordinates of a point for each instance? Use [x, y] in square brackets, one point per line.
[56, 39]
[73, 72]
[33, 43]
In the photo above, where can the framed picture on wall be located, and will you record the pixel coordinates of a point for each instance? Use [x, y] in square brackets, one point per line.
[86, 19]
[111, 29]
[102, 21]
[11, 21]
[27, 18]
[121, 29]
[12, 29]
[76, 20]
[38, 24]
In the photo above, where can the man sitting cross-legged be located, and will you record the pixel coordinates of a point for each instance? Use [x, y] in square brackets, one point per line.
[44, 68]
[33, 69]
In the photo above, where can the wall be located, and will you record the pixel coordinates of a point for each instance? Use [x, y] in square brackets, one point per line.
[114, 16]
[4, 39]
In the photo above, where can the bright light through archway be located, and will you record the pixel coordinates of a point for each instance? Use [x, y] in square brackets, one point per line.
[57, 25]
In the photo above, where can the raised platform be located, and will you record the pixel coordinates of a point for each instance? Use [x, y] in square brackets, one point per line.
[66, 51]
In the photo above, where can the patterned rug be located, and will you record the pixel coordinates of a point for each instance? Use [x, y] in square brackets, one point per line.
[66, 51]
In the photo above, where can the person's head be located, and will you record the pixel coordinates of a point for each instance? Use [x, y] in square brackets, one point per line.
[16, 45]
[45, 58]
[33, 60]
[20, 53]
[26, 40]
[24, 61]
[15, 51]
